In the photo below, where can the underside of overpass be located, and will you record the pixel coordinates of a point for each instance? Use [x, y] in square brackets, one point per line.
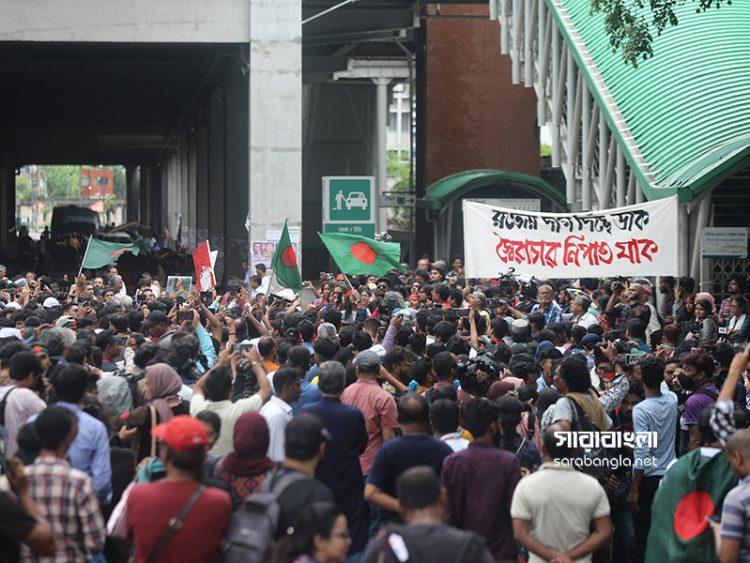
[208, 122]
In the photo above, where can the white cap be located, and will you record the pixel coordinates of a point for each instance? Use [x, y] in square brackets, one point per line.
[50, 302]
[7, 332]
[13, 305]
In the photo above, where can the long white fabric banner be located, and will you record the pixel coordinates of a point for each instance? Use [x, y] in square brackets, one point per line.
[639, 240]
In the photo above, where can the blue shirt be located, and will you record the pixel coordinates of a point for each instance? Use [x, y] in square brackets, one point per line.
[553, 313]
[659, 416]
[310, 394]
[735, 517]
[90, 452]
[340, 468]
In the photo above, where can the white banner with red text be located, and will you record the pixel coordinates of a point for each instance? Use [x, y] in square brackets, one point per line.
[638, 240]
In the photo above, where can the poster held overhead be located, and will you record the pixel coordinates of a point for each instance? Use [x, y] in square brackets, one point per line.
[639, 240]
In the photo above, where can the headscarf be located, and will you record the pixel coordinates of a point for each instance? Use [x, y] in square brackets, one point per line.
[250, 439]
[164, 384]
[709, 298]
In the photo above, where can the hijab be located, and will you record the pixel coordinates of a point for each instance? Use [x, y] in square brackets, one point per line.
[711, 310]
[164, 384]
[250, 439]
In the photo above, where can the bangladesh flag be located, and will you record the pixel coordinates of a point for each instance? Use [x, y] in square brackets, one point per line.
[100, 253]
[692, 489]
[284, 263]
[356, 255]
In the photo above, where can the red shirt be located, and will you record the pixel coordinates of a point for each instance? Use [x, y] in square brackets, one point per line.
[379, 410]
[150, 507]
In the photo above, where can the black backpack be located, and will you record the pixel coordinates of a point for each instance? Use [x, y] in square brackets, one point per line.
[254, 526]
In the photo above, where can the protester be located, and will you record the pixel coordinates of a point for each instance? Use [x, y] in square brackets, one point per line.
[202, 512]
[555, 509]
[493, 362]
[425, 537]
[480, 481]
[66, 496]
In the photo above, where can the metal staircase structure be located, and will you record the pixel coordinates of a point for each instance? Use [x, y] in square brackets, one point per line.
[583, 146]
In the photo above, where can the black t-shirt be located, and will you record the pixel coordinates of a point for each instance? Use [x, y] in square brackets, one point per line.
[15, 525]
[297, 496]
[433, 543]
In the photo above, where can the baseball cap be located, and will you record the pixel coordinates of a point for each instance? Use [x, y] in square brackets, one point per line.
[182, 433]
[590, 339]
[50, 302]
[155, 318]
[304, 434]
[367, 360]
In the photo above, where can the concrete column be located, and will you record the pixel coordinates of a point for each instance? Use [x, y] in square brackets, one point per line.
[183, 194]
[275, 116]
[132, 193]
[216, 176]
[203, 200]
[7, 204]
[381, 132]
[192, 187]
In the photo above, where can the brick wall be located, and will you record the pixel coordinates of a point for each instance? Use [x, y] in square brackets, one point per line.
[476, 117]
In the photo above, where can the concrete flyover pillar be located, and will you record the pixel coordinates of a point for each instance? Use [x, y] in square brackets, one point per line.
[274, 73]
[132, 193]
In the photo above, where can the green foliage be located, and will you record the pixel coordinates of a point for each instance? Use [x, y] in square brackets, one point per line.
[545, 150]
[399, 218]
[118, 173]
[629, 28]
[24, 191]
[63, 182]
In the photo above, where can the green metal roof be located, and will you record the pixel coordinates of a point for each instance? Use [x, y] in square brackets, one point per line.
[682, 117]
[447, 189]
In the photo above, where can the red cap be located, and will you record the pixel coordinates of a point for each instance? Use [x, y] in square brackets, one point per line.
[182, 433]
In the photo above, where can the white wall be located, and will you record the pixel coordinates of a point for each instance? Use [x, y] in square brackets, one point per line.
[159, 21]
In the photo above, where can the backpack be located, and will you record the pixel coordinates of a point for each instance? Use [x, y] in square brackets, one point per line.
[591, 461]
[394, 544]
[3, 404]
[254, 526]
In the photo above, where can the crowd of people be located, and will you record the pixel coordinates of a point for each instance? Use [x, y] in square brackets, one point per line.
[419, 417]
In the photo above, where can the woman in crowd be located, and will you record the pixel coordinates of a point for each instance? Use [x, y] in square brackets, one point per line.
[708, 326]
[162, 385]
[321, 535]
[738, 325]
[244, 470]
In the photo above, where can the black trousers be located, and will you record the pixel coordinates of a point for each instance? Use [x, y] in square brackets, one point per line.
[646, 493]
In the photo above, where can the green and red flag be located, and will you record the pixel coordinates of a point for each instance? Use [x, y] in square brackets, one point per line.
[356, 255]
[693, 488]
[100, 253]
[284, 262]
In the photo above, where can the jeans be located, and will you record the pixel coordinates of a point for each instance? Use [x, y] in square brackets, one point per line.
[623, 536]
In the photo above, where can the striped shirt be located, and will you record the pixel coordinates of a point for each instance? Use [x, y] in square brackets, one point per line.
[68, 501]
[657, 415]
[735, 516]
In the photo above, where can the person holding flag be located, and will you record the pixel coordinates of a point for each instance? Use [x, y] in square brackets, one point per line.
[284, 263]
[356, 255]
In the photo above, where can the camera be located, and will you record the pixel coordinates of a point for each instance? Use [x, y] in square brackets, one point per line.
[244, 346]
[495, 302]
[184, 315]
[467, 373]
[207, 298]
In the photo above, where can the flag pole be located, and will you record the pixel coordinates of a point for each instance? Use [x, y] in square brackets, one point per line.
[86, 253]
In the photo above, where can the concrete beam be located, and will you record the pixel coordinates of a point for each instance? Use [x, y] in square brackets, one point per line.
[140, 21]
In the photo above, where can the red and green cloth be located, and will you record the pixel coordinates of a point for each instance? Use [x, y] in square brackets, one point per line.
[100, 253]
[692, 489]
[356, 255]
[284, 262]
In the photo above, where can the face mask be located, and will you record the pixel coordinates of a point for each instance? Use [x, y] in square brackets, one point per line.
[685, 382]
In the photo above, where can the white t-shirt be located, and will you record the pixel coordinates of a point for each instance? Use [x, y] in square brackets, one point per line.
[228, 412]
[277, 413]
[559, 503]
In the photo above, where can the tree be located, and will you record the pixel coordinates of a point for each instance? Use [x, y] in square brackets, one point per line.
[629, 29]
[24, 191]
[120, 184]
[63, 182]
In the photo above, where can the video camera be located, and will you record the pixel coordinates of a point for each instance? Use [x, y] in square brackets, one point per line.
[467, 372]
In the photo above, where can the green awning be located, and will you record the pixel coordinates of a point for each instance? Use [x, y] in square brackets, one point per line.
[452, 187]
[682, 118]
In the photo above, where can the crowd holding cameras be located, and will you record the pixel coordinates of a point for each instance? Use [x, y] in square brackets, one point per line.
[405, 417]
